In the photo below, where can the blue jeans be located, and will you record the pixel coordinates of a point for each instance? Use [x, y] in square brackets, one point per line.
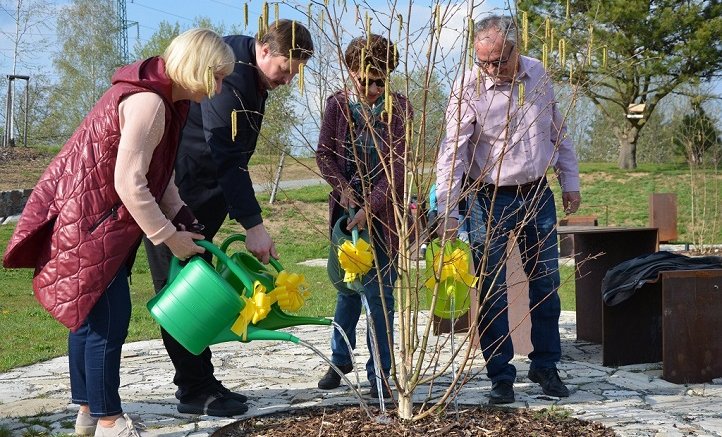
[532, 217]
[348, 311]
[94, 350]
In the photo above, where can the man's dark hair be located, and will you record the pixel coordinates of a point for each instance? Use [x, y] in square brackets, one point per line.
[282, 33]
[380, 54]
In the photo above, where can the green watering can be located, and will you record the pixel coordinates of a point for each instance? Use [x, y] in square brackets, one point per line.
[450, 290]
[339, 235]
[199, 306]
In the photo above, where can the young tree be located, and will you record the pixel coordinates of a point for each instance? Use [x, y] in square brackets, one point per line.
[627, 52]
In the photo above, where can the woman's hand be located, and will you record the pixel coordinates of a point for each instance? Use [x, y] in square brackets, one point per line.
[183, 245]
[358, 220]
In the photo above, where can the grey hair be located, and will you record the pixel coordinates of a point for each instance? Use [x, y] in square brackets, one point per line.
[504, 24]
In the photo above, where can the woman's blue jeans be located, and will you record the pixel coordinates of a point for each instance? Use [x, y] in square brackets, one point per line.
[531, 217]
[348, 311]
[94, 350]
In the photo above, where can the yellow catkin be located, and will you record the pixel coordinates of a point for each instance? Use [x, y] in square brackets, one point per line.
[551, 40]
[437, 14]
[591, 43]
[604, 57]
[368, 30]
[362, 64]
[293, 33]
[390, 111]
[325, 2]
[479, 80]
[234, 125]
[275, 13]
[261, 31]
[264, 14]
[321, 19]
[210, 82]
[366, 75]
[301, 68]
[571, 73]
[310, 13]
[547, 27]
[401, 26]
[521, 94]
[562, 52]
[545, 55]
[396, 57]
[245, 15]
[567, 14]
[525, 30]
[471, 41]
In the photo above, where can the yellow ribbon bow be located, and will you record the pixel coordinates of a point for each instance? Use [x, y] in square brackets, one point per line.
[291, 291]
[454, 266]
[355, 259]
[255, 309]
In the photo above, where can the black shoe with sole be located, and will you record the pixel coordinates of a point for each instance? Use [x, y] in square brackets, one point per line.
[213, 405]
[332, 379]
[502, 392]
[229, 394]
[550, 382]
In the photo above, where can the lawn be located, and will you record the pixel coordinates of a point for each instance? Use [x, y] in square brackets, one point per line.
[297, 222]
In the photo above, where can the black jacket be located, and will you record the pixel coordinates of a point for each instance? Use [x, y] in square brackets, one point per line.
[209, 162]
[623, 280]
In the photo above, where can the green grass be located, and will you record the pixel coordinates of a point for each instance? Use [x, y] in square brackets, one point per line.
[30, 334]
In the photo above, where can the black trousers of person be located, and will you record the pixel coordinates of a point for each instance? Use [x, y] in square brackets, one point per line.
[193, 373]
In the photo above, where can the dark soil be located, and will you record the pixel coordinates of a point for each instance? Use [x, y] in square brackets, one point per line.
[478, 421]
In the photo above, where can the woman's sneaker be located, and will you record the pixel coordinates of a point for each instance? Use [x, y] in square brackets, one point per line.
[123, 427]
[85, 424]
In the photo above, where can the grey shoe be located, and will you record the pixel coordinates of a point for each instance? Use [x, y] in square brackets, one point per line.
[123, 427]
[85, 424]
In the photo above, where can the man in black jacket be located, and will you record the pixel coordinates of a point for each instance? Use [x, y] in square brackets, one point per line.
[213, 180]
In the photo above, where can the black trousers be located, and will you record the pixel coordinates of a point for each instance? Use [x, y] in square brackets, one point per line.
[193, 373]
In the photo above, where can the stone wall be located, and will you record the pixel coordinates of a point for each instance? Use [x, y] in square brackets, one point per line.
[13, 202]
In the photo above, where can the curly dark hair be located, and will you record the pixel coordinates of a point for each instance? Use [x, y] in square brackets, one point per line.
[380, 54]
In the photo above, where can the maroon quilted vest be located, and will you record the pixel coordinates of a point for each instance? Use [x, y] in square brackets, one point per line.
[74, 230]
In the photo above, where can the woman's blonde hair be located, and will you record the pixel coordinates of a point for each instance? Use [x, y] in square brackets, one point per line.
[191, 53]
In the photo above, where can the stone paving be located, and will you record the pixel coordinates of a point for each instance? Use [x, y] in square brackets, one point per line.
[279, 376]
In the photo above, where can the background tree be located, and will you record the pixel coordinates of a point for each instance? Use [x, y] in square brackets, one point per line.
[84, 65]
[29, 39]
[627, 52]
[697, 134]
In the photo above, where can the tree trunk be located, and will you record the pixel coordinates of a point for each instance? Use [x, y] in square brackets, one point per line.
[406, 406]
[627, 138]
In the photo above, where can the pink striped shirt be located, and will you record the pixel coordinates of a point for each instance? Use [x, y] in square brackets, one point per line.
[504, 134]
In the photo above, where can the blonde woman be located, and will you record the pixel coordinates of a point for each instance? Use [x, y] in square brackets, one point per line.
[110, 184]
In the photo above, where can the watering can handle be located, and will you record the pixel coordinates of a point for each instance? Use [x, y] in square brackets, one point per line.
[175, 266]
[354, 231]
[240, 237]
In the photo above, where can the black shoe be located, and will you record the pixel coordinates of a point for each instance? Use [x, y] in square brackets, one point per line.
[502, 392]
[213, 405]
[332, 379]
[229, 394]
[374, 392]
[550, 382]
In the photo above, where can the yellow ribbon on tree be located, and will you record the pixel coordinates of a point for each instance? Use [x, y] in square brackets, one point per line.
[454, 266]
[291, 291]
[355, 259]
[255, 309]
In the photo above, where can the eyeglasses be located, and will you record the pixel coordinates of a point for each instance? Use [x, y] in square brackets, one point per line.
[368, 82]
[497, 62]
